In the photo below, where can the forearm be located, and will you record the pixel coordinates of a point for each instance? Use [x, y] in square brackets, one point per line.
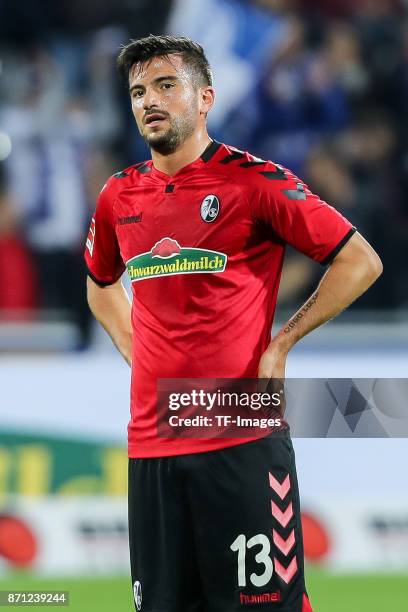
[352, 272]
[344, 282]
[111, 307]
[335, 292]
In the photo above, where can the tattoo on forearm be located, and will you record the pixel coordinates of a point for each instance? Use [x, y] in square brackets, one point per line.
[293, 322]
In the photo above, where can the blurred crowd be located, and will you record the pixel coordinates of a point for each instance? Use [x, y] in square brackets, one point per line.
[320, 86]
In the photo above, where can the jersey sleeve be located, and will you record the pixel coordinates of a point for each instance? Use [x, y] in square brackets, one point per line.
[299, 217]
[102, 254]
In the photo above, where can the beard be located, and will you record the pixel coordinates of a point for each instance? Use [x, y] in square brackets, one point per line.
[168, 141]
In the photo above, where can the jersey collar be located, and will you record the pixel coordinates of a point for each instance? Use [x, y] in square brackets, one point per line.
[210, 151]
[204, 158]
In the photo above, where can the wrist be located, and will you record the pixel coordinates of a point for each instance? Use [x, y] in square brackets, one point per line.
[280, 344]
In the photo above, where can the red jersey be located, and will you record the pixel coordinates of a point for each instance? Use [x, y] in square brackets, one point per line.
[204, 251]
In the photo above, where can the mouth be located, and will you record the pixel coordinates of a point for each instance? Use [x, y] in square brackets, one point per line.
[154, 119]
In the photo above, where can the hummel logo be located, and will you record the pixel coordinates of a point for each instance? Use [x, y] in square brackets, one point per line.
[126, 220]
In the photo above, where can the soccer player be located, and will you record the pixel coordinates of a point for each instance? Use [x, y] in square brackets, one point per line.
[214, 524]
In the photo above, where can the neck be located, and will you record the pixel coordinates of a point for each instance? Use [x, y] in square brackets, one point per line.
[188, 152]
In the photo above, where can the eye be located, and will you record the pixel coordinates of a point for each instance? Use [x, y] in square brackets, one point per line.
[137, 93]
[167, 85]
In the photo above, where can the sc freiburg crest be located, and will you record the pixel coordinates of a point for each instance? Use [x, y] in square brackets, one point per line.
[210, 208]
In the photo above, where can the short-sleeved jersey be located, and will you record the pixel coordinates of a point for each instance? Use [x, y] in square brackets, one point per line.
[204, 251]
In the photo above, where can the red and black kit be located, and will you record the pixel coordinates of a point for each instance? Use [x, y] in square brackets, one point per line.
[212, 531]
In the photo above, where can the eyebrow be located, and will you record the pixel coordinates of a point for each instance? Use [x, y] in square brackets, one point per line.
[158, 80]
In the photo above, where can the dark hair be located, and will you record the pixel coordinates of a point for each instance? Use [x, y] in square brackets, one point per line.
[144, 49]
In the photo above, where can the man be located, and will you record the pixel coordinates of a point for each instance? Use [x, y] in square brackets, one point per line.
[214, 523]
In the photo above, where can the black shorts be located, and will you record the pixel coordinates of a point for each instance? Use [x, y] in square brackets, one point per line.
[218, 531]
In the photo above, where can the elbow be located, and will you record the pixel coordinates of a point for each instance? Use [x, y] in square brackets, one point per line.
[363, 263]
[372, 267]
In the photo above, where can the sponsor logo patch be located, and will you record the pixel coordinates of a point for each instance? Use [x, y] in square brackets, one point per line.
[168, 258]
[210, 208]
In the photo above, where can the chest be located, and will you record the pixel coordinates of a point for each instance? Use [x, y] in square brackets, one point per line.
[161, 219]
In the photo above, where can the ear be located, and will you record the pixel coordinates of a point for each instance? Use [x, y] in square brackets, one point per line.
[207, 99]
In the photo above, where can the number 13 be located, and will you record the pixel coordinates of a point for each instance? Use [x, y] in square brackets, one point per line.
[240, 544]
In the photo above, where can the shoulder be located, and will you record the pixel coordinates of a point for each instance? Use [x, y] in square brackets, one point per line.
[123, 179]
[251, 170]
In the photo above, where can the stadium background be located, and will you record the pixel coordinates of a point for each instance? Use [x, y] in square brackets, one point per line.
[319, 86]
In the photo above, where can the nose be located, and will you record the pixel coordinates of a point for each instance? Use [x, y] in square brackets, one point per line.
[150, 99]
